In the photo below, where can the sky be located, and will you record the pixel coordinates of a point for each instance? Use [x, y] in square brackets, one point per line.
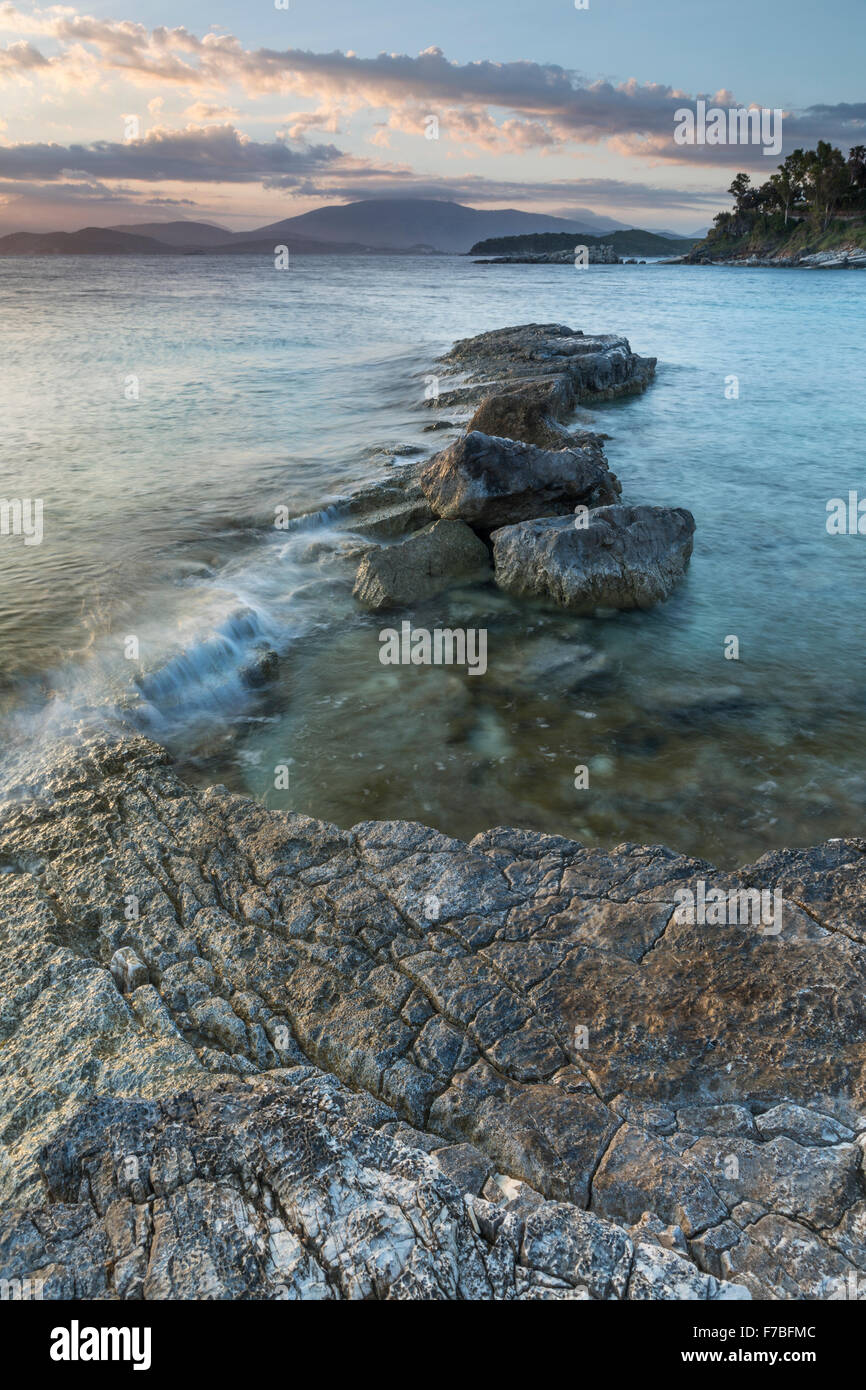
[143, 110]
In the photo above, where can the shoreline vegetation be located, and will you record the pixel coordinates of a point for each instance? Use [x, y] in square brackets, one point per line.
[810, 213]
[251, 1054]
[550, 246]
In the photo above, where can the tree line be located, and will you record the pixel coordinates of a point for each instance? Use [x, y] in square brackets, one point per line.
[817, 185]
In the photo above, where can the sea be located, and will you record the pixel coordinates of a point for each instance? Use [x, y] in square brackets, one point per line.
[166, 411]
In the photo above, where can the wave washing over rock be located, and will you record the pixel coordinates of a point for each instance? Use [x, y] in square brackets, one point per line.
[248, 1054]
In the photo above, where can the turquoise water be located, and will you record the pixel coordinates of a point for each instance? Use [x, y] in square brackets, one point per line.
[257, 388]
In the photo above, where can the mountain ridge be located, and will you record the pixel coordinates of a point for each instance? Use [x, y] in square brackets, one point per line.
[368, 226]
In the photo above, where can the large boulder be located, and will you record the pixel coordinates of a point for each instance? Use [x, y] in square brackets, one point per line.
[422, 565]
[531, 412]
[624, 557]
[594, 366]
[489, 481]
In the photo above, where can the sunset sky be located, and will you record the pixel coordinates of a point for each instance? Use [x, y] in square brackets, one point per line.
[248, 113]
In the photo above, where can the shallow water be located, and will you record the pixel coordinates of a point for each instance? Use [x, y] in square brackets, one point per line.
[257, 388]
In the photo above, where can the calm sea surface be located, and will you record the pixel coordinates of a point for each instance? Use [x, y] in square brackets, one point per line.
[162, 409]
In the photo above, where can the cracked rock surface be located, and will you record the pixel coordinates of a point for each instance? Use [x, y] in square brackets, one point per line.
[384, 1063]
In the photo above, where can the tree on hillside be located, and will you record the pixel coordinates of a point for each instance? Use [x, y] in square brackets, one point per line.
[857, 174]
[828, 181]
[817, 182]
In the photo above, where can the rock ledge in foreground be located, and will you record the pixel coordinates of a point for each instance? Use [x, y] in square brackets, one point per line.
[344, 1034]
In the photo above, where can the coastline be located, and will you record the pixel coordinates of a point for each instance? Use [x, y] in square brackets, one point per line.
[249, 1053]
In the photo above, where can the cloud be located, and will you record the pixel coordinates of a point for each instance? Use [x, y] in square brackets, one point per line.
[490, 106]
[19, 58]
[198, 154]
[202, 111]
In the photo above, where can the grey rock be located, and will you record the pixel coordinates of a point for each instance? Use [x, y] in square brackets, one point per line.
[532, 412]
[399, 519]
[813, 1185]
[802, 1125]
[260, 668]
[421, 566]
[490, 481]
[640, 1173]
[624, 557]
[591, 367]
[717, 1119]
[660, 1273]
[310, 1032]
[128, 971]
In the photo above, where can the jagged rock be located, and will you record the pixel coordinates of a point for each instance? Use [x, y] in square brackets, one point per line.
[441, 555]
[591, 367]
[283, 1188]
[809, 1184]
[660, 1273]
[544, 1037]
[529, 413]
[128, 971]
[624, 557]
[640, 1173]
[490, 482]
[595, 255]
[802, 1125]
[399, 519]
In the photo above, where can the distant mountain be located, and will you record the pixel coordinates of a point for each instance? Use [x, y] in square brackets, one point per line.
[407, 226]
[179, 233]
[593, 221]
[89, 241]
[411, 222]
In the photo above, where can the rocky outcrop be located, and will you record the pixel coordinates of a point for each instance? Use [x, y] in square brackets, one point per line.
[594, 255]
[847, 256]
[422, 565]
[294, 1187]
[383, 1062]
[613, 557]
[489, 481]
[530, 413]
[576, 367]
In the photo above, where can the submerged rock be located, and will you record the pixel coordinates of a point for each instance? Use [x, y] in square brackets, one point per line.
[421, 566]
[625, 557]
[260, 668]
[490, 482]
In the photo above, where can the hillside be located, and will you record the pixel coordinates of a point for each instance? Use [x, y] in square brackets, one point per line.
[632, 242]
[767, 238]
[811, 212]
[89, 241]
[181, 234]
[401, 223]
